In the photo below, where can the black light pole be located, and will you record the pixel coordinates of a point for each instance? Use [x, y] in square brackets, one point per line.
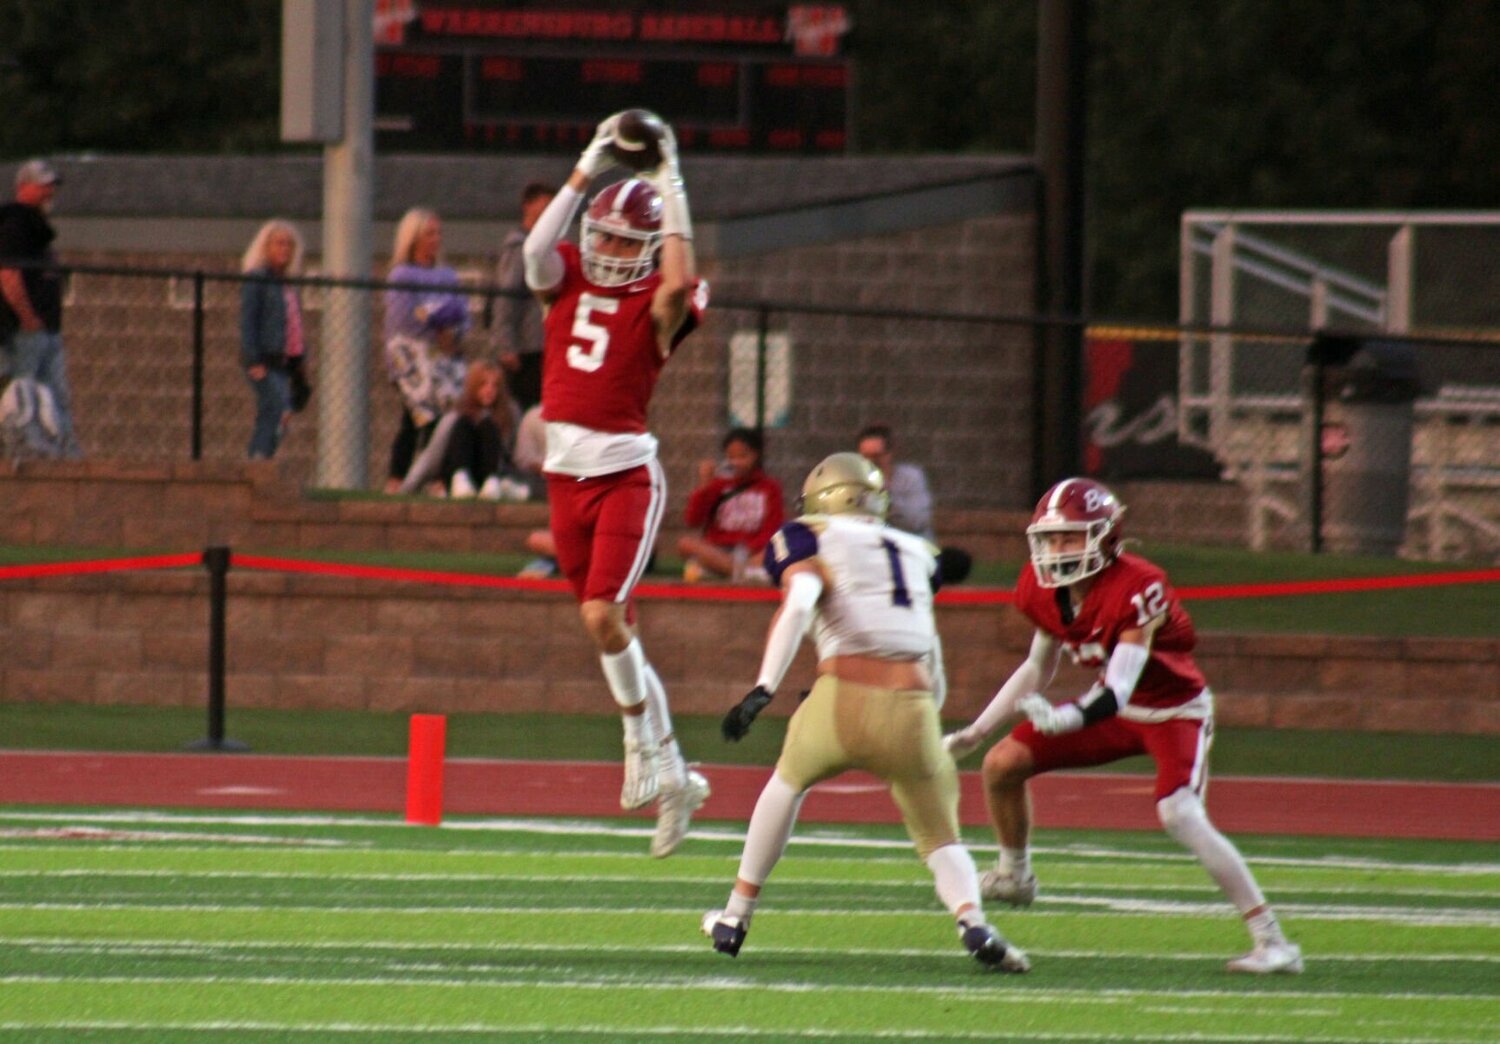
[1061, 95]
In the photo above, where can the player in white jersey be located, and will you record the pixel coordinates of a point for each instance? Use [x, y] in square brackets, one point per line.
[865, 590]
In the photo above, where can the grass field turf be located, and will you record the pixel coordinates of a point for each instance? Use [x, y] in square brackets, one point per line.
[176, 927]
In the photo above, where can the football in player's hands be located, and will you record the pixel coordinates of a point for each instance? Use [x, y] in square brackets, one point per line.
[636, 144]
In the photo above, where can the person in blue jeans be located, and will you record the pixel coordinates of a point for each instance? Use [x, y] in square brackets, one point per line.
[271, 330]
[31, 291]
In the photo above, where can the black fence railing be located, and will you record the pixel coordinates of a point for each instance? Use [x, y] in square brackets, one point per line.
[1353, 440]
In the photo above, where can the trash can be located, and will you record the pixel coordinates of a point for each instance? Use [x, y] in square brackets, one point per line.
[1368, 390]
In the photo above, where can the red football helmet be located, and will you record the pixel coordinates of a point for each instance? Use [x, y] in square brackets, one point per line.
[1077, 506]
[628, 211]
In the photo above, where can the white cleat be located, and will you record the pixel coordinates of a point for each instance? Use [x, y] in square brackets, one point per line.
[1005, 888]
[641, 785]
[1274, 958]
[678, 803]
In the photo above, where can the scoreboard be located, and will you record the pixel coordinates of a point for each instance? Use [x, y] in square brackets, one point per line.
[538, 78]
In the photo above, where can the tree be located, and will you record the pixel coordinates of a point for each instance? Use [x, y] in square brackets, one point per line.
[139, 76]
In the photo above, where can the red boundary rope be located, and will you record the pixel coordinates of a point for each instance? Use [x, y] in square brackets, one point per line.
[719, 593]
[99, 565]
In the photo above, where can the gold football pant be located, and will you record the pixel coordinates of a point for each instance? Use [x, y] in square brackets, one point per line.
[890, 733]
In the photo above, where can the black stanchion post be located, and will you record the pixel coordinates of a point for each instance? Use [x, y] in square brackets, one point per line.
[216, 561]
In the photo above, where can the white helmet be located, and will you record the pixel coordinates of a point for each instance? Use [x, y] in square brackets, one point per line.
[627, 210]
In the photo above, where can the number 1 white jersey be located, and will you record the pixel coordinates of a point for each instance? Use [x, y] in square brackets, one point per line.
[878, 601]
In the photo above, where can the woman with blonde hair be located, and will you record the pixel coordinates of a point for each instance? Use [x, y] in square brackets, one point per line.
[272, 345]
[424, 324]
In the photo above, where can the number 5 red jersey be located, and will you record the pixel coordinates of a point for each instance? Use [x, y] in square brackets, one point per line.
[600, 358]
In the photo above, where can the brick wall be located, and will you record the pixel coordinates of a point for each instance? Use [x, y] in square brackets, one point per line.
[298, 641]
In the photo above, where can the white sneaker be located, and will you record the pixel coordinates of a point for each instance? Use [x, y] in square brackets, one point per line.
[539, 568]
[493, 489]
[461, 487]
[675, 813]
[641, 785]
[1270, 958]
[514, 490]
[1005, 888]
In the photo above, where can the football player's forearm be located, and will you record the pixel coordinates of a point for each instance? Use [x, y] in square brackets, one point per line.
[787, 629]
[543, 264]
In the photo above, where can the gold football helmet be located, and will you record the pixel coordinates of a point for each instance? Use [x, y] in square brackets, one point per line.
[845, 484]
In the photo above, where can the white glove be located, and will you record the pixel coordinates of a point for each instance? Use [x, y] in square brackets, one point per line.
[963, 742]
[596, 158]
[668, 168]
[1050, 720]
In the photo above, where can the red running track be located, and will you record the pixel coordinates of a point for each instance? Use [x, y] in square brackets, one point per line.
[1335, 808]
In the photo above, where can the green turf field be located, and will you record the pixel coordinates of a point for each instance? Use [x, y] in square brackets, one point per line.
[117, 926]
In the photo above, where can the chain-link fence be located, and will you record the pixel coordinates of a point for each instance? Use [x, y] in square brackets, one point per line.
[1404, 432]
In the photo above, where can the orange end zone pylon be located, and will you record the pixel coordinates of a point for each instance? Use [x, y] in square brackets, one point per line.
[424, 769]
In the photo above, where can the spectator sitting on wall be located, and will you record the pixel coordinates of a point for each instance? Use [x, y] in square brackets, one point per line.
[477, 457]
[737, 507]
[911, 499]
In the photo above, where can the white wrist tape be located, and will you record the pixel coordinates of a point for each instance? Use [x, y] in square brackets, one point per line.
[1123, 671]
[543, 264]
[797, 606]
[675, 219]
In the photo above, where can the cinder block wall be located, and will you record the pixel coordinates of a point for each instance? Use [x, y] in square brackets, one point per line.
[302, 641]
[297, 641]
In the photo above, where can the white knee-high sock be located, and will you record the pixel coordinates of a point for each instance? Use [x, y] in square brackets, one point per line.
[1185, 819]
[770, 828]
[625, 673]
[673, 770]
[957, 881]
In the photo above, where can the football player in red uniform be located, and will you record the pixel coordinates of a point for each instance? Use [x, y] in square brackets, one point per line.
[1117, 612]
[617, 306]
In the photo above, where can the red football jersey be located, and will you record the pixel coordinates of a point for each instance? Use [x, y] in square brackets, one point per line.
[600, 358]
[1125, 596]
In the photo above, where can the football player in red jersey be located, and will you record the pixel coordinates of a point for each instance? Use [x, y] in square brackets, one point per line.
[616, 306]
[1116, 612]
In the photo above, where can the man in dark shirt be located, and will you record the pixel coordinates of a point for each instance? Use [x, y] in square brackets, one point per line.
[31, 290]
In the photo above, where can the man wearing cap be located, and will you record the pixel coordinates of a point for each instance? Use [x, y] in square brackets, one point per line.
[31, 289]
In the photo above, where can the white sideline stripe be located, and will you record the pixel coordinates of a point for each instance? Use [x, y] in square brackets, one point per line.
[983, 986]
[1410, 916]
[810, 838]
[613, 1032]
[1055, 893]
[208, 949]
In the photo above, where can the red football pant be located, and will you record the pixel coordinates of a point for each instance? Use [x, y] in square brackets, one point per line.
[605, 528]
[1179, 747]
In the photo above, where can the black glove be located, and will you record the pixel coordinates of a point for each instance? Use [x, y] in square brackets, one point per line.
[737, 721]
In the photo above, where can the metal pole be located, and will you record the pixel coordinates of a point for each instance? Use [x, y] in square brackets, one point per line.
[1062, 66]
[197, 447]
[216, 561]
[348, 207]
[1315, 459]
[763, 323]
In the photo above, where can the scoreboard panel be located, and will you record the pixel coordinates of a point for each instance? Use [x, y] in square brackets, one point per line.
[475, 77]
